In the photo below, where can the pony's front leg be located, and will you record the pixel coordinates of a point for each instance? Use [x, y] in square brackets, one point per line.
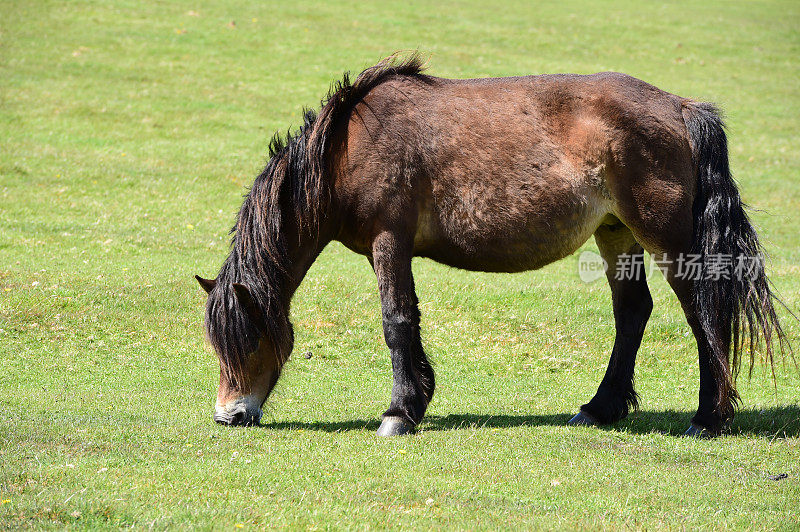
[413, 376]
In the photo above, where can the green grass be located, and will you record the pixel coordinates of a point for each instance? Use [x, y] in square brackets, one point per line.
[128, 133]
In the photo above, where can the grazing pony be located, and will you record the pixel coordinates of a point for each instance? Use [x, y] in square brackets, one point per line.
[496, 175]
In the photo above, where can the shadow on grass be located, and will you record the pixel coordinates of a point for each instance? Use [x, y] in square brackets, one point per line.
[773, 422]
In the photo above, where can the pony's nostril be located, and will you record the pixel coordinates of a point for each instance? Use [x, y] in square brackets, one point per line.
[239, 418]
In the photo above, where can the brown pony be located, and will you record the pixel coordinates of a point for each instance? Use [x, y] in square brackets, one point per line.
[497, 175]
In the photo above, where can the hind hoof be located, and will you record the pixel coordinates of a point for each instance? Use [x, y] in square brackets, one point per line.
[696, 431]
[395, 426]
[582, 419]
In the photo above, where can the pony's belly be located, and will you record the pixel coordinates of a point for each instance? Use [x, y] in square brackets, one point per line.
[513, 221]
[518, 258]
[512, 248]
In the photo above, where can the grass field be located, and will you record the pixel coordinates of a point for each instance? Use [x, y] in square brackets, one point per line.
[128, 134]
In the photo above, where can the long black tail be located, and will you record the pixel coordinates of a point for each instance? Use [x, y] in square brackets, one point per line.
[736, 310]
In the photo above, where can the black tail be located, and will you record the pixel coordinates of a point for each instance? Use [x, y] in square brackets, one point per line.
[736, 310]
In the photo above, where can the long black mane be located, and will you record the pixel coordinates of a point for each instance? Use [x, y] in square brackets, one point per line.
[294, 182]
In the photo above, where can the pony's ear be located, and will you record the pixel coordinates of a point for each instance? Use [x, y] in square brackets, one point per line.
[245, 299]
[207, 284]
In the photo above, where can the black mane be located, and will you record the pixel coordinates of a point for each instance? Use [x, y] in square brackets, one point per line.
[295, 180]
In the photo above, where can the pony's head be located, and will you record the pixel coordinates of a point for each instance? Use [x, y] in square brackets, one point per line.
[252, 342]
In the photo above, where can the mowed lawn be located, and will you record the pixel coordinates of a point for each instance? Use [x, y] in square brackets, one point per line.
[129, 132]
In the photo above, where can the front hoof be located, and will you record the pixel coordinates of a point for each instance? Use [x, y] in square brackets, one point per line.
[582, 419]
[395, 426]
[696, 431]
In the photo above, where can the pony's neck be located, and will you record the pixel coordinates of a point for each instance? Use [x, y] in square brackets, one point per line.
[302, 253]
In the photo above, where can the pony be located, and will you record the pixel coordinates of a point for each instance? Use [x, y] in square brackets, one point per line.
[496, 175]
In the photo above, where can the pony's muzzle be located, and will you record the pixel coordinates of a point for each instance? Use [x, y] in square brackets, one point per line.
[240, 413]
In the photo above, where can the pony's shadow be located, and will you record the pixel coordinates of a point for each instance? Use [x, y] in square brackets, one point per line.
[772, 422]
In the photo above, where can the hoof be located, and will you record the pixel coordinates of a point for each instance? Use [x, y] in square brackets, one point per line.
[583, 419]
[696, 431]
[395, 426]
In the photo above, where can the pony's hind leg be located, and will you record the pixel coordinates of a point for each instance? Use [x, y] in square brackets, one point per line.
[673, 250]
[632, 306]
[717, 396]
[413, 375]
